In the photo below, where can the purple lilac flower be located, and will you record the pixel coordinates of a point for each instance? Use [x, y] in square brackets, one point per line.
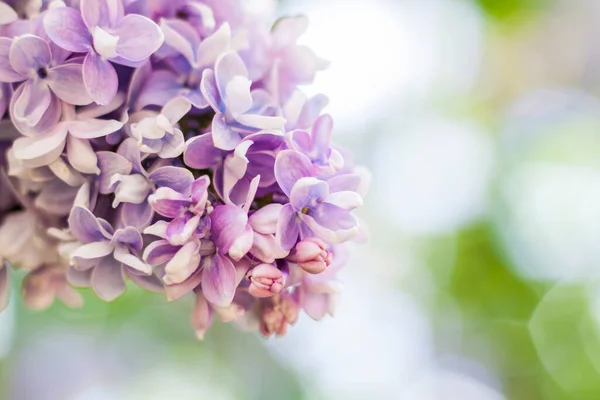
[35, 104]
[238, 110]
[107, 254]
[102, 31]
[168, 143]
[314, 210]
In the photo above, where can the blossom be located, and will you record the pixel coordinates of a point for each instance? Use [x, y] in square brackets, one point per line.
[238, 109]
[106, 253]
[313, 209]
[102, 31]
[35, 104]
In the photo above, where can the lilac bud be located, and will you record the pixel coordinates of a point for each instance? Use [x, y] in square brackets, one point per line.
[265, 280]
[312, 255]
[277, 313]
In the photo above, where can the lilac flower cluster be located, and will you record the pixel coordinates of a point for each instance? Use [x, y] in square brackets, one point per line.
[167, 143]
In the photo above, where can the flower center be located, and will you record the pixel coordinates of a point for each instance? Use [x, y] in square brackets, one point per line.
[42, 73]
[305, 210]
[182, 14]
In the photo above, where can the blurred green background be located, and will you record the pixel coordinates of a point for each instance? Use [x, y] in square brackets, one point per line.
[480, 121]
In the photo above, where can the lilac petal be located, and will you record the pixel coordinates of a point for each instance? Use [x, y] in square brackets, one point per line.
[287, 228]
[265, 220]
[266, 248]
[79, 278]
[7, 73]
[242, 244]
[180, 229]
[56, 198]
[123, 255]
[200, 189]
[334, 235]
[148, 282]
[200, 153]
[182, 37]
[81, 156]
[346, 200]
[321, 133]
[66, 28]
[29, 53]
[38, 151]
[183, 264]
[130, 150]
[234, 169]
[66, 81]
[168, 202]
[344, 182]
[32, 100]
[195, 97]
[159, 252]
[176, 178]
[214, 45]
[316, 305]
[261, 121]
[178, 290]
[18, 103]
[160, 87]
[210, 91]
[237, 96]
[107, 279]
[93, 128]
[103, 13]
[138, 216]
[100, 78]
[307, 192]
[202, 316]
[159, 228]
[218, 280]
[7, 15]
[311, 110]
[85, 226]
[290, 166]
[65, 172]
[302, 141]
[129, 236]
[227, 224]
[173, 145]
[139, 37]
[228, 66]
[110, 164]
[176, 109]
[333, 217]
[92, 251]
[223, 136]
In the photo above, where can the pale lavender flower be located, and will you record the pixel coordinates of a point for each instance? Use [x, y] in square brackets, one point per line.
[239, 110]
[73, 132]
[316, 145]
[292, 64]
[234, 170]
[313, 210]
[7, 14]
[35, 105]
[159, 133]
[301, 112]
[107, 254]
[103, 31]
[123, 174]
[265, 246]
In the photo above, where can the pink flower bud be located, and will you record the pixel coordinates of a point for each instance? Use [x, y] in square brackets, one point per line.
[312, 255]
[277, 313]
[265, 280]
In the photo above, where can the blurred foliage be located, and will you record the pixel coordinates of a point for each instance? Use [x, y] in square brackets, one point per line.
[504, 10]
